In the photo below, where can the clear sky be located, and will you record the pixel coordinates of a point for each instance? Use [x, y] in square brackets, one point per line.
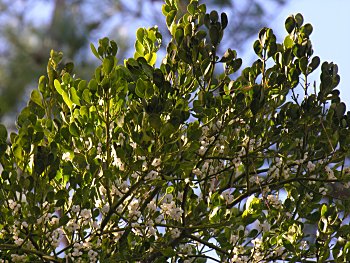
[330, 37]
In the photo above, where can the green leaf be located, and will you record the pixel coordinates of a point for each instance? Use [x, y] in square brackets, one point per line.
[58, 87]
[324, 210]
[288, 42]
[214, 213]
[228, 56]
[214, 16]
[340, 110]
[36, 97]
[188, 30]
[86, 96]
[315, 62]
[93, 85]
[94, 51]
[155, 121]
[74, 130]
[64, 220]
[179, 34]
[288, 245]
[79, 160]
[183, 55]
[224, 20]
[66, 99]
[194, 132]
[214, 34]
[149, 91]
[271, 49]
[82, 85]
[170, 189]
[140, 34]
[61, 194]
[258, 48]
[66, 78]
[42, 84]
[170, 17]
[236, 64]
[307, 30]
[113, 48]
[253, 233]
[299, 19]
[74, 96]
[3, 133]
[166, 130]
[158, 78]
[200, 35]
[151, 58]
[139, 49]
[41, 159]
[168, 252]
[206, 66]
[108, 65]
[192, 7]
[344, 230]
[290, 24]
[303, 64]
[140, 88]
[207, 20]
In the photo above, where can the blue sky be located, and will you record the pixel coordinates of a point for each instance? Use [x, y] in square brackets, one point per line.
[330, 37]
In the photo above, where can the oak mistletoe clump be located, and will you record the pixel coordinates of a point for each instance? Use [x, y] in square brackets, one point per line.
[184, 162]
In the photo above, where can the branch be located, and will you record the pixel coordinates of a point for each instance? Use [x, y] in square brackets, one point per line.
[29, 251]
[208, 244]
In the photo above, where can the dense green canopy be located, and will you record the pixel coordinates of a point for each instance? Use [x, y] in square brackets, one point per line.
[181, 162]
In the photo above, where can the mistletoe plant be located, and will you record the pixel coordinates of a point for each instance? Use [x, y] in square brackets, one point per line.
[181, 163]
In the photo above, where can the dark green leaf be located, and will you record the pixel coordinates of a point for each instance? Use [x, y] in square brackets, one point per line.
[168, 252]
[167, 129]
[307, 30]
[140, 88]
[299, 19]
[3, 133]
[214, 34]
[192, 7]
[74, 130]
[214, 16]
[303, 64]
[200, 35]
[290, 24]
[170, 17]
[224, 20]
[64, 220]
[315, 62]
[179, 34]
[207, 20]
[258, 48]
[61, 194]
[340, 110]
[155, 121]
[236, 64]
